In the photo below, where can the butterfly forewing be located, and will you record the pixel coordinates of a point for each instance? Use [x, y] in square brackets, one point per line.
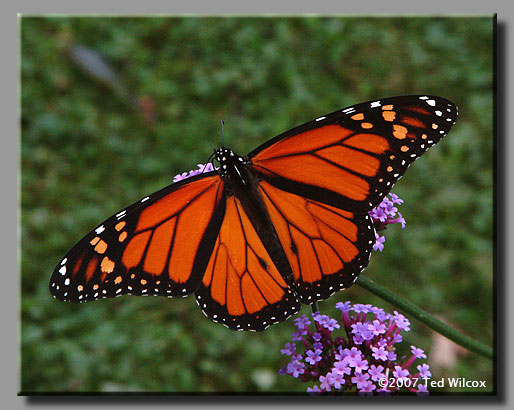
[150, 248]
[353, 157]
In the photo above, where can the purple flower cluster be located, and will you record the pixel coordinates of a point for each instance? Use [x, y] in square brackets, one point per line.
[362, 360]
[201, 169]
[384, 214]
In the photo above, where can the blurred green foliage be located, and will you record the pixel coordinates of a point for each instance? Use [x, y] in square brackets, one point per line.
[88, 151]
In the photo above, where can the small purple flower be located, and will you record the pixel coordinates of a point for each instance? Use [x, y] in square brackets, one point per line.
[318, 345]
[391, 355]
[367, 387]
[353, 355]
[423, 370]
[313, 356]
[390, 209]
[332, 324]
[344, 306]
[341, 353]
[359, 379]
[401, 321]
[377, 328]
[359, 328]
[379, 353]
[378, 213]
[326, 384]
[422, 390]
[397, 338]
[302, 322]
[360, 365]
[396, 199]
[289, 350]
[418, 353]
[360, 308]
[382, 342]
[400, 373]
[379, 242]
[313, 389]
[342, 367]
[376, 372]
[295, 368]
[316, 336]
[399, 220]
[297, 336]
[337, 379]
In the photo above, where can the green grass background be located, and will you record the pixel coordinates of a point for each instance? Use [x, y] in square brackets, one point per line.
[87, 151]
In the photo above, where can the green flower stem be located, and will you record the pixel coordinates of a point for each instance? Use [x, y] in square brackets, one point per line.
[433, 323]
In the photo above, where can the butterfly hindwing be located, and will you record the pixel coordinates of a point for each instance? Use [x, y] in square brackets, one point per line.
[242, 288]
[326, 247]
[150, 248]
[353, 157]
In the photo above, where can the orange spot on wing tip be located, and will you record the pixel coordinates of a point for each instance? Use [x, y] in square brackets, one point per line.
[387, 107]
[107, 265]
[399, 131]
[389, 168]
[404, 148]
[101, 246]
[357, 117]
[118, 280]
[120, 225]
[389, 115]
[367, 125]
[95, 240]
[132, 276]
[435, 126]
[80, 288]
[143, 282]
[95, 286]
[122, 236]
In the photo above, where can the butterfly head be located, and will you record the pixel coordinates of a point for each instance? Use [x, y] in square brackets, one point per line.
[228, 160]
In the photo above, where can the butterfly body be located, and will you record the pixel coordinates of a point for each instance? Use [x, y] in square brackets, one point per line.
[253, 240]
[242, 183]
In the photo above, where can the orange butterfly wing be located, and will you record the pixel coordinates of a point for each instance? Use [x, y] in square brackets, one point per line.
[352, 158]
[242, 288]
[158, 246]
[326, 247]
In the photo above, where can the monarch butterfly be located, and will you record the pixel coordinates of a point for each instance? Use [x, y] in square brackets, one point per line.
[263, 233]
